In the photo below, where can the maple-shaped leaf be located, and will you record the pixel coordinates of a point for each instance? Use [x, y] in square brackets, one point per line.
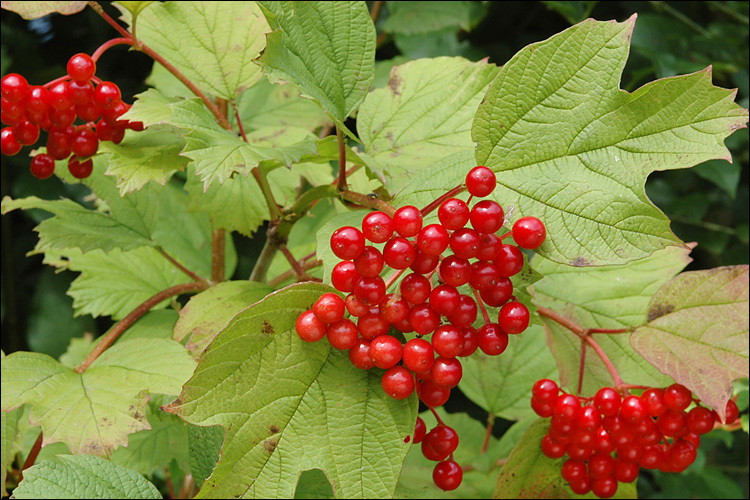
[571, 148]
[288, 406]
[697, 332]
[93, 412]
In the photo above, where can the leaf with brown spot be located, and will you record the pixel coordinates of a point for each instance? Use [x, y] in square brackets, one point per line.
[700, 335]
[35, 10]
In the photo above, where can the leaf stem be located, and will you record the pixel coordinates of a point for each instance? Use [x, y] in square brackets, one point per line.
[368, 201]
[488, 433]
[33, 454]
[273, 208]
[99, 10]
[306, 265]
[109, 44]
[179, 266]
[581, 367]
[480, 303]
[375, 12]
[439, 201]
[437, 417]
[114, 333]
[342, 159]
[239, 121]
[218, 252]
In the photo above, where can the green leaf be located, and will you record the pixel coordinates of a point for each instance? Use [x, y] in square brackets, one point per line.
[155, 448]
[152, 106]
[528, 473]
[77, 350]
[612, 297]
[204, 445]
[313, 483]
[268, 105]
[422, 116]
[327, 49]
[419, 17]
[293, 406]
[211, 43]
[94, 411]
[722, 173]
[35, 10]
[574, 150]
[152, 325]
[219, 153]
[9, 426]
[83, 476]
[152, 154]
[573, 12]
[323, 236]
[208, 312]
[116, 283]
[697, 332]
[134, 7]
[74, 226]
[502, 384]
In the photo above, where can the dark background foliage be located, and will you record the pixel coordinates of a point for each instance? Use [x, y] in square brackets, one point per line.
[708, 204]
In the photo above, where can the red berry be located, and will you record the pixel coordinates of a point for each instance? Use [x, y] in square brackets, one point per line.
[399, 253]
[370, 262]
[677, 397]
[398, 382]
[632, 409]
[681, 454]
[513, 317]
[487, 216]
[81, 67]
[572, 469]
[43, 166]
[62, 118]
[465, 243]
[37, 99]
[489, 247]
[80, 169]
[85, 143]
[567, 408]
[14, 87]
[653, 401]
[431, 394]
[372, 325]
[672, 423]
[342, 334]
[344, 276]
[442, 439]
[448, 341]
[12, 112]
[446, 372]
[552, 448]
[499, 293]
[377, 227]
[418, 355]
[394, 308]
[625, 472]
[415, 288]
[424, 263]
[607, 401]
[407, 221]
[113, 114]
[465, 314]
[433, 239]
[359, 355]
[347, 243]
[483, 275]
[90, 112]
[589, 419]
[80, 93]
[601, 465]
[107, 132]
[26, 132]
[58, 96]
[420, 430]
[732, 412]
[529, 232]
[453, 214]
[370, 290]
[480, 181]
[470, 341]
[309, 327]
[545, 390]
[447, 475]
[581, 486]
[329, 308]
[509, 260]
[107, 95]
[492, 340]
[10, 145]
[455, 271]
[444, 299]
[544, 410]
[423, 319]
[385, 351]
[604, 487]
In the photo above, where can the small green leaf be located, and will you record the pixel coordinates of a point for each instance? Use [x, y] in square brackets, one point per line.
[211, 43]
[613, 297]
[204, 445]
[209, 311]
[83, 476]
[574, 150]
[528, 473]
[9, 426]
[134, 7]
[722, 173]
[419, 17]
[94, 411]
[37, 9]
[697, 332]
[327, 49]
[423, 115]
[293, 406]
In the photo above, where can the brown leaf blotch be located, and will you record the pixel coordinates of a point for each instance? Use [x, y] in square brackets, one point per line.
[273, 429]
[394, 83]
[659, 310]
[270, 444]
[267, 328]
[580, 262]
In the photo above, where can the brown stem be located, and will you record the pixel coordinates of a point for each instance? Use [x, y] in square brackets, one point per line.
[375, 12]
[341, 185]
[182, 268]
[325, 131]
[368, 201]
[581, 332]
[266, 256]
[439, 201]
[32, 455]
[273, 208]
[382, 38]
[239, 122]
[610, 330]
[581, 367]
[218, 251]
[112, 22]
[114, 333]
[281, 278]
[296, 267]
[168, 480]
[488, 434]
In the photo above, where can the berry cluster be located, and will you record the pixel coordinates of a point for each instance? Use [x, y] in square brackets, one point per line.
[438, 445]
[54, 107]
[653, 431]
[428, 300]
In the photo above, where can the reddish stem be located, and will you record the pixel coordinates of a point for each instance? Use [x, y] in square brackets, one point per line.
[488, 433]
[393, 279]
[32, 455]
[506, 235]
[54, 82]
[581, 368]
[298, 269]
[109, 44]
[218, 251]
[437, 417]
[182, 268]
[480, 303]
[112, 22]
[239, 122]
[341, 185]
[109, 338]
[439, 201]
[609, 330]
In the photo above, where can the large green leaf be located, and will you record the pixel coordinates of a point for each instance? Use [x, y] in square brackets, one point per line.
[423, 115]
[209, 311]
[574, 150]
[94, 411]
[289, 406]
[697, 332]
[211, 43]
[612, 297]
[502, 384]
[83, 476]
[34, 10]
[528, 473]
[327, 49]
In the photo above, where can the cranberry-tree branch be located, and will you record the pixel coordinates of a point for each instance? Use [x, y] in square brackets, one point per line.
[439, 201]
[306, 265]
[218, 253]
[480, 303]
[109, 44]
[488, 434]
[342, 159]
[99, 10]
[114, 333]
[31, 458]
[375, 12]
